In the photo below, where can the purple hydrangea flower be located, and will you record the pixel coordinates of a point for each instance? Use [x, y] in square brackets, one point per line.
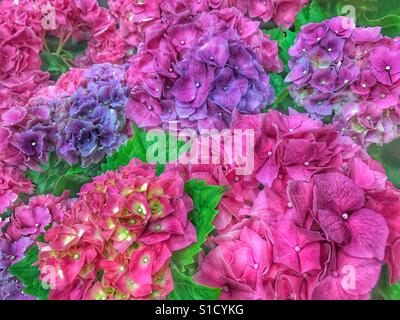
[11, 288]
[385, 65]
[203, 70]
[350, 73]
[324, 80]
[223, 73]
[91, 123]
[11, 252]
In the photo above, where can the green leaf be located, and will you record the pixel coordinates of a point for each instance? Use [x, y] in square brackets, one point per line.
[133, 148]
[281, 92]
[186, 289]
[384, 290]
[74, 48]
[302, 18]
[388, 155]
[29, 274]
[58, 176]
[284, 45]
[54, 64]
[205, 199]
[72, 183]
[316, 13]
[390, 24]
[275, 33]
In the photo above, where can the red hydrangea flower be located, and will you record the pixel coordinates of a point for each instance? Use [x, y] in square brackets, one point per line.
[116, 240]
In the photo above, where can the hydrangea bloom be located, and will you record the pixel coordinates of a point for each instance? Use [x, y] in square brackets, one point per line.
[12, 182]
[195, 68]
[351, 73]
[27, 133]
[11, 252]
[11, 288]
[30, 220]
[91, 122]
[135, 18]
[241, 190]
[122, 228]
[318, 230]
[25, 25]
[20, 45]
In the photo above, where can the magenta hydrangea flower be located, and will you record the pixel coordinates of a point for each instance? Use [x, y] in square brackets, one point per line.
[350, 73]
[12, 182]
[20, 46]
[135, 19]
[325, 218]
[27, 133]
[31, 220]
[238, 266]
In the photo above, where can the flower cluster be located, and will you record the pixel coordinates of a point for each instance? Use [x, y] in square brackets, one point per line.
[20, 45]
[196, 67]
[11, 252]
[27, 133]
[30, 220]
[85, 20]
[21, 229]
[136, 17]
[350, 72]
[116, 240]
[91, 122]
[12, 182]
[24, 26]
[318, 229]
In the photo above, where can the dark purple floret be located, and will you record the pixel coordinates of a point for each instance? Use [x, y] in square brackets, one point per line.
[91, 122]
[220, 73]
[11, 252]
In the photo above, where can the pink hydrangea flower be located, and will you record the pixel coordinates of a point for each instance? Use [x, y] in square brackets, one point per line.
[12, 182]
[20, 46]
[31, 220]
[237, 266]
[327, 213]
[125, 224]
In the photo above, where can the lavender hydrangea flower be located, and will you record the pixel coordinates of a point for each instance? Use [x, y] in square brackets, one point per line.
[350, 73]
[204, 69]
[222, 73]
[11, 252]
[91, 123]
[11, 288]
[28, 134]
